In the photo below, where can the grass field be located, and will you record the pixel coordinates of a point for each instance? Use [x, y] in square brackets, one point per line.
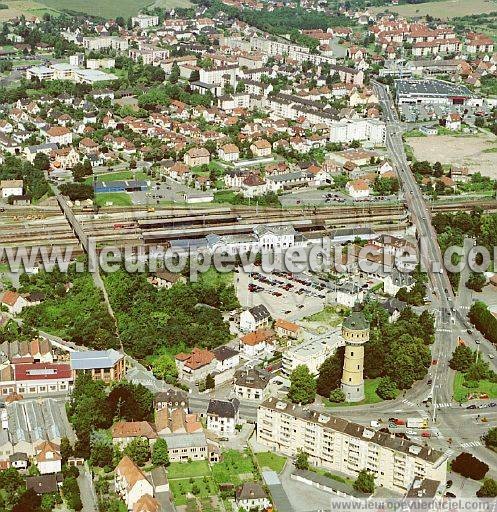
[371, 397]
[109, 9]
[118, 175]
[446, 9]
[193, 469]
[116, 198]
[271, 460]
[330, 316]
[213, 278]
[26, 7]
[461, 392]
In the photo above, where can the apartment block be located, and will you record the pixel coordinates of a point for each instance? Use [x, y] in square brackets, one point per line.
[336, 444]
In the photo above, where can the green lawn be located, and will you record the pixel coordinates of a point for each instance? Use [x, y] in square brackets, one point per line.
[118, 175]
[125, 8]
[271, 460]
[371, 397]
[200, 487]
[213, 278]
[461, 392]
[194, 468]
[330, 315]
[234, 468]
[116, 198]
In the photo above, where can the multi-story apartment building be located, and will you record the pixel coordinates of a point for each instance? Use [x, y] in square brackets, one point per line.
[99, 43]
[107, 365]
[145, 21]
[339, 445]
[311, 353]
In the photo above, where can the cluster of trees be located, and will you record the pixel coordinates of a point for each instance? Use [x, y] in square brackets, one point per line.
[92, 410]
[469, 466]
[164, 93]
[302, 386]
[398, 352]
[77, 191]
[465, 361]
[484, 321]
[35, 184]
[73, 308]
[490, 439]
[16, 498]
[386, 186]
[415, 296]
[183, 316]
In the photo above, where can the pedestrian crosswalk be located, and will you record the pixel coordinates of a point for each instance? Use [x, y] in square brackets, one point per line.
[408, 402]
[471, 444]
[443, 330]
[444, 405]
[448, 453]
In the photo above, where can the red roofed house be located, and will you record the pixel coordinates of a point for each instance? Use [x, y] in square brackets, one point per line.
[453, 122]
[14, 302]
[59, 135]
[48, 459]
[123, 432]
[255, 342]
[286, 328]
[196, 365]
[131, 483]
[357, 189]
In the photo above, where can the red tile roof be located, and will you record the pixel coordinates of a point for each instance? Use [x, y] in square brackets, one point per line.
[42, 371]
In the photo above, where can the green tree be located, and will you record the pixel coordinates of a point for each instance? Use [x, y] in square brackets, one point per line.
[330, 373]
[364, 482]
[302, 460]
[488, 489]
[476, 281]
[210, 383]
[41, 162]
[160, 453]
[102, 449]
[462, 358]
[337, 396]
[303, 386]
[138, 450]
[66, 449]
[387, 389]
[175, 73]
[164, 368]
[491, 438]
[131, 402]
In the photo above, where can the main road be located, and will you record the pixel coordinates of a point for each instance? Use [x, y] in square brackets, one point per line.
[450, 321]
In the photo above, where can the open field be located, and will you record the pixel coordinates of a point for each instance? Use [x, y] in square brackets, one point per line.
[170, 4]
[446, 9]
[109, 9]
[370, 395]
[472, 151]
[26, 7]
[116, 198]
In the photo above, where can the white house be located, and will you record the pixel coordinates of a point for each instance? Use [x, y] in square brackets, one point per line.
[130, 482]
[257, 317]
[48, 459]
[453, 122]
[11, 188]
[226, 358]
[255, 342]
[229, 153]
[14, 302]
[252, 496]
[223, 416]
[357, 189]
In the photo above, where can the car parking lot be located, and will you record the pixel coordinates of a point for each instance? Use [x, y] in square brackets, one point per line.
[285, 295]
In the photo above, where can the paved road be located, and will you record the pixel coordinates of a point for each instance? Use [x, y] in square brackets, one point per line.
[88, 496]
[450, 321]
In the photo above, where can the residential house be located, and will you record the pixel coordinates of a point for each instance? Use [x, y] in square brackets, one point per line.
[130, 482]
[256, 317]
[358, 189]
[223, 416]
[13, 301]
[286, 329]
[59, 135]
[261, 148]
[197, 156]
[11, 188]
[255, 342]
[229, 153]
[196, 365]
[48, 459]
[252, 496]
[251, 384]
[123, 432]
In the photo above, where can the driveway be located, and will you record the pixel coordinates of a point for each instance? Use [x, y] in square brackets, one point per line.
[88, 496]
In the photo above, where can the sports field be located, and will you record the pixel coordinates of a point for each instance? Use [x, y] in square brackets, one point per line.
[445, 9]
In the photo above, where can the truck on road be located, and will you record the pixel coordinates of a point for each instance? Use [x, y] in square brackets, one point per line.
[417, 422]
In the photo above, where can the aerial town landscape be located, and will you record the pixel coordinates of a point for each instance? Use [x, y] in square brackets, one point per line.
[247, 255]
